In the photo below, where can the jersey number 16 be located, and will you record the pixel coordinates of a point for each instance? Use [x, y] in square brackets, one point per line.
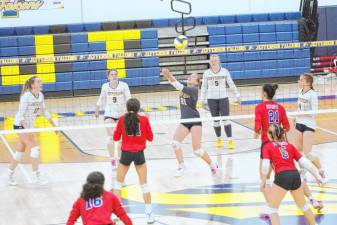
[93, 203]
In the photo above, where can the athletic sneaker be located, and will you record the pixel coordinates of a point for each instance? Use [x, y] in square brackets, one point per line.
[230, 144]
[114, 164]
[264, 215]
[180, 171]
[38, 179]
[150, 218]
[11, 181]
[316, 204]
[218, 143]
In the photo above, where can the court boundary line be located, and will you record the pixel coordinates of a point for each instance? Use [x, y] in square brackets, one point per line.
[11, 152]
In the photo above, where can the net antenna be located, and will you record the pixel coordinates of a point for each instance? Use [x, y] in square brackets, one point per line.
[185, 23]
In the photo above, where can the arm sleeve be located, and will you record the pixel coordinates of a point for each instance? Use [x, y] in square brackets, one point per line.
[23, 105]
[204, 87]
[265, 166]
[149, 133]
[118, 210]
[102, 97]
[45, 112]
[265, 153]
[258, 120]
[304, 162]
[232, 85]
[118, 130]
[177, 85]
[284, 120]
[314, 103]
[74, 214]
[127, 93]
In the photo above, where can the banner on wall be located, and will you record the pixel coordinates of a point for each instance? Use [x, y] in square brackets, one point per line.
[12, 8]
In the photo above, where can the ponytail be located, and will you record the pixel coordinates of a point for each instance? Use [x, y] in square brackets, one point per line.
[131, 121]
[28, 84]
[270, 90]
[94, 187]
[276, 132]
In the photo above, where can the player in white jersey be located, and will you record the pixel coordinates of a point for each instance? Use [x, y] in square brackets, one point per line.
[31, 105]
[305, 129]
[114, 95]
[214, 92]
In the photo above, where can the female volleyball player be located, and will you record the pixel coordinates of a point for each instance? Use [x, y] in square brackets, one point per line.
[114, 95]
[305, 128]
[281, 155]
[188, 110]
[31, 105]
[95, 205]
[214, 91]
[266, 113]
[134, 130]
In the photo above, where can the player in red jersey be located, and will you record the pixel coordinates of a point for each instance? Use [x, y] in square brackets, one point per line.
[96, 205]
[281, 155]
[266, 113]
[134, 130]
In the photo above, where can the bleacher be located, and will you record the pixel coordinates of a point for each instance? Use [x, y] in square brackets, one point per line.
[108, 37]
[260, 64]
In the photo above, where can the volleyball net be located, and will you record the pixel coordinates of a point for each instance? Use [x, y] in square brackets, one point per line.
[162, 103]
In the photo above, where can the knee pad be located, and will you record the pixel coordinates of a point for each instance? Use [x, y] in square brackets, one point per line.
[200, 152]
[145, 188]
[226, 122]
[176, 145]
[35, 152]
[270, 210]
[118, 186]
[17, 156]
[109, 140]
[305, 208]
[216, 124]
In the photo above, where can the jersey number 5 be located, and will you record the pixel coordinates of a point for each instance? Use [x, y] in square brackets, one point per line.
[93, 203]
[114, 99]
[284, 153]
[216, 83]
[273, 117]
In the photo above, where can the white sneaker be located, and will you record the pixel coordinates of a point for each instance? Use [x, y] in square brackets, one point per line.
[11, 181]
[150, 218]
[180, 171]
[38, 179]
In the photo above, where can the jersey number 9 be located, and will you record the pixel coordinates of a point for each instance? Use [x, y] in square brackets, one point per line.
[114, 99]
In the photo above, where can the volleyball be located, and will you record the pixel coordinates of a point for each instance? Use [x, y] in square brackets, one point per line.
[181, 42]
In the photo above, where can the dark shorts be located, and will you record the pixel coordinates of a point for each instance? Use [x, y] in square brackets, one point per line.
[303, 128]
[18, 127]
[218, 107]
[289, 180]
[138, 158]
[190, 125]
[109, 117]
[263, 144]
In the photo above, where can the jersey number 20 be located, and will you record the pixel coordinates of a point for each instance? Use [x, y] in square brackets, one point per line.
[273, 116]
[93, 203]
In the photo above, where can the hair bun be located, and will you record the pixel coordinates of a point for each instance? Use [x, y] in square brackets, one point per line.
[275, 87]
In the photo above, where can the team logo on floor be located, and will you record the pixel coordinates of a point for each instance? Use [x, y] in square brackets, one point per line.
[230, 203]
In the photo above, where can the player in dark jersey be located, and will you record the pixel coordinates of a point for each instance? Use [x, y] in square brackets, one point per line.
[135, 130]
[188, 110]
[95, 205]
[266, 113]
[281, 155]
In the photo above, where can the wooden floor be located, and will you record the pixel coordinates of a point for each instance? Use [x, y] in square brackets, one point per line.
[232, 197]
